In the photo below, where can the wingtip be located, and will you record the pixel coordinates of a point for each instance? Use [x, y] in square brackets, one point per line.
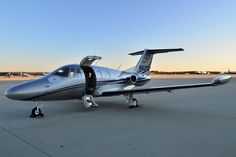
[221, 80]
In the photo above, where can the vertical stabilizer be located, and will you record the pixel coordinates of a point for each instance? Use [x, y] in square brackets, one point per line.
[144, 64]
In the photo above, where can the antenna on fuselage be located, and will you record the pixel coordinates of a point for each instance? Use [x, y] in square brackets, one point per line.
[118, 68]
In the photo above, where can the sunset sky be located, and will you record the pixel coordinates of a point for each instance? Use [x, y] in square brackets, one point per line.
[46, 34]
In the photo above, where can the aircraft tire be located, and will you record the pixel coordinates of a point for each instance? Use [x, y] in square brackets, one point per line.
[35, 113]
[135, 102]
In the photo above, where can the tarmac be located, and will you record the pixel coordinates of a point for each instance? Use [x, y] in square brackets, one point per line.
[185, 123]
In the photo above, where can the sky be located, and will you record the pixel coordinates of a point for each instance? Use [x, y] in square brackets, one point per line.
[46, 34]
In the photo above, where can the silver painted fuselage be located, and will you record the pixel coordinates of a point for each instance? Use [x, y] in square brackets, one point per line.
[72, 85]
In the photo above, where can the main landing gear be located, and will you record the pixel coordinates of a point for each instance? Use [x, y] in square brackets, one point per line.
[133, 103]
[36, 111]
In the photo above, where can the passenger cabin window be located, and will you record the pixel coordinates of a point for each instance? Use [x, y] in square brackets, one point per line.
[99, 74]
[106, 74]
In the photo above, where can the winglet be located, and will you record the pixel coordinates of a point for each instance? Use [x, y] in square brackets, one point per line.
[221, 80]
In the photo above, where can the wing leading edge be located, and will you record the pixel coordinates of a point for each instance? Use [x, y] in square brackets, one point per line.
[215, 82]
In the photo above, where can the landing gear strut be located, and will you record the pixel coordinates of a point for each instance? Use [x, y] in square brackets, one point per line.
[36, 111]
[133, 103]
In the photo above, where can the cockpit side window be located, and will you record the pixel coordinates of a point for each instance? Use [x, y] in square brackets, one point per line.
[78, 71]
[64, 71]
[72, 72]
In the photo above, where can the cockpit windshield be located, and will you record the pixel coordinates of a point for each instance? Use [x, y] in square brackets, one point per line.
[64, 71]
[67, 71]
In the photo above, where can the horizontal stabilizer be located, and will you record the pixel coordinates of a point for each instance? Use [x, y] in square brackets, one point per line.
[154, 51]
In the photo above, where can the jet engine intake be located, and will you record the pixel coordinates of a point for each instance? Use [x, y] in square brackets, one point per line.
[133, 79]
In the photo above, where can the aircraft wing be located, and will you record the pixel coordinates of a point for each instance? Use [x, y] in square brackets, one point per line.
[215, 82]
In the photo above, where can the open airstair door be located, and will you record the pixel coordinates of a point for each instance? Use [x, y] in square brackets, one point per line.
[91, 80]
[87, 61]
[90, 75]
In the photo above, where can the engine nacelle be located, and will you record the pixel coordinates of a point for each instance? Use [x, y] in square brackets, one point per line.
[133, 79]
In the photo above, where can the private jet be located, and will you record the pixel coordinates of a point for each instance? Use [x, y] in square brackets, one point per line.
[23, 74]
[85, 81]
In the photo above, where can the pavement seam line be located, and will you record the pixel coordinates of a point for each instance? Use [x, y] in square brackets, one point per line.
[25, 141]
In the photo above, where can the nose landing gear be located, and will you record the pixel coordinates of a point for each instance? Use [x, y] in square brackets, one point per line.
[36, 111]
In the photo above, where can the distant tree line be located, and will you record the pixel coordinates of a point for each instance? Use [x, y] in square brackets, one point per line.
[185, 72]
[20, 73]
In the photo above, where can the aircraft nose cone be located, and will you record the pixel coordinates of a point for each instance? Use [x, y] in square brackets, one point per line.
[26, 90]
[13, 93]
[19, 92]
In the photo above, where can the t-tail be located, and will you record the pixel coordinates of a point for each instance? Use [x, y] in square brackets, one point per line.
[144, 64]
